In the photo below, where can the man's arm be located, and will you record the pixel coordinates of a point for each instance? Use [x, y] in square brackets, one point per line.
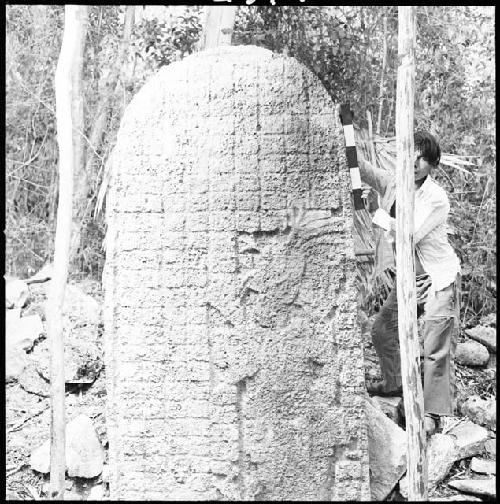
[427, 216]
[374, 177]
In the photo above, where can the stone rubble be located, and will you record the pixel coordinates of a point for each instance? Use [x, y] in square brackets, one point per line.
[387, 451]
[20, 335]
[490, 448]
[15, 360]
[483, 466]
[79, 307]
[31, 380]
[16, 293]
[469, 439]
[82, 360]
[391, 406]
[472, 353]
[484, 487]
[84, 452]
[462, 441]
[481, 411]
[456, 497]
[441, 454]
[96, 493]
[44, 274]
[489, 320]
[72, 496]
[487, 336]
[24, 330]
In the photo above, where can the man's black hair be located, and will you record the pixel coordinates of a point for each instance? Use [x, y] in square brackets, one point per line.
[428, 147]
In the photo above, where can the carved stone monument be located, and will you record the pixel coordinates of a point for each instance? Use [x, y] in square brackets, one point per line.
[234, 364]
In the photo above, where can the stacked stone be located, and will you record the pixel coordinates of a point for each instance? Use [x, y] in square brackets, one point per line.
[233, 358]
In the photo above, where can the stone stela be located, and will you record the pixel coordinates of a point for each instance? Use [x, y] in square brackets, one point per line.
[234, 363]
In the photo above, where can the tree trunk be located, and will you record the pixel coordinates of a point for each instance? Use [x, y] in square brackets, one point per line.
[73, 31]
[80, 177]
[101, 116]
[381, 90]
[370, 135]
[218, 26]
[405, 262]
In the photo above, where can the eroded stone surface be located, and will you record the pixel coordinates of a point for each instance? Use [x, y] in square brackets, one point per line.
[485, 487]
[481, 411]
[469, 439]
[441, 454]
[455, 497]
[387, 449]
[485, 335]
[472, 353]
[391, 406]
[16, 360]
[16, 293]
[82, 360]
[24, 330]
[490, 448]
[84, 453]
[483, 466]
[234, 362]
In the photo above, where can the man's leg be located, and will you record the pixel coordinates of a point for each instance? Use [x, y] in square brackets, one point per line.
[440, 329]
[386, 343]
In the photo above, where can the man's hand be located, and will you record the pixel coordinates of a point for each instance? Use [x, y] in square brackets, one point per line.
[371, 199]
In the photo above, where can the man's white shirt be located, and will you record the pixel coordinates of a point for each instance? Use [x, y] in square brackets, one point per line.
[432, 247]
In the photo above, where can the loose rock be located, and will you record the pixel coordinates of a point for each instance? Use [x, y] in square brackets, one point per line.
[31, 381]
[456, 497]
[96, 493]
[485, 335]
[12, 315]
[80, 307]
[441, 454]
[481, 411]
[387, 451]
[390, 406]
[85, 457]
[483, 466]
[24, 330]
[489, 320]
[16, 293]
[490, 448]
[72, 496]
[82, 360]
[105, 474]
[84, 453]
[40, 458]
[472, 353]
[469, 439]
[492, 365]
[44, 274]
[15, 360]
[486, 487]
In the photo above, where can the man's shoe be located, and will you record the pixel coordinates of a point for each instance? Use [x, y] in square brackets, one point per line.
[380, 389]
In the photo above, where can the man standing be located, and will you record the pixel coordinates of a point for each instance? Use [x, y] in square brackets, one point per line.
[437, 268]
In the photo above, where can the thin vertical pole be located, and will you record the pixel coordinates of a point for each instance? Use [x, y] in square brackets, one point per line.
[405, 259]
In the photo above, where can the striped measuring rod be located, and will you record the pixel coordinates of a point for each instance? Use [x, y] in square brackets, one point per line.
[352, 158]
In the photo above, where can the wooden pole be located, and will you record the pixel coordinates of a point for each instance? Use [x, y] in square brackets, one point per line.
[405, 259]
[218, 26]
[73, 28]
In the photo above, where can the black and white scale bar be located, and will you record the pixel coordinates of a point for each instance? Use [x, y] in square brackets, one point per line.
[352, 158]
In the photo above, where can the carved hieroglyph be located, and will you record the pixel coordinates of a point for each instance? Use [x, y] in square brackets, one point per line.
[234, 365]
